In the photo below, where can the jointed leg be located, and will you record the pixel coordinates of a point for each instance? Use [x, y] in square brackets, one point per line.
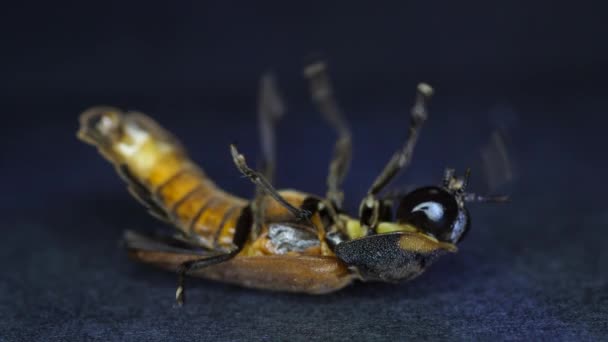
[270, 109]
[403, 157]
[180, 293]
[241, 233]
[259, 180]
[370, 205]
[323, 96]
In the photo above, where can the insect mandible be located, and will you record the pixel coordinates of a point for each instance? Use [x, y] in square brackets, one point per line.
[281, 240]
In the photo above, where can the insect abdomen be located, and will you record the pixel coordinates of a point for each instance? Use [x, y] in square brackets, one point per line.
[196, 206]
[161, 175]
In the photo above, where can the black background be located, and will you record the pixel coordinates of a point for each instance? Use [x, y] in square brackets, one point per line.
[534, 268]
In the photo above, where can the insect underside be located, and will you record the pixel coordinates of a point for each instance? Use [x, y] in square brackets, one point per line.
[280, 240]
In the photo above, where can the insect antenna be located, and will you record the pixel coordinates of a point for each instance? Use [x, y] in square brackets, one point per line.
[471, 197]
[459, 186]
[401, 158]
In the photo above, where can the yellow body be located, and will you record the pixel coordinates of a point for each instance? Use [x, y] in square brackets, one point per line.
[161, 175]
[175, 188]
[153, 161]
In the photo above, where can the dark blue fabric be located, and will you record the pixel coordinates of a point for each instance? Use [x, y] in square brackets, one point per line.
[536, 268]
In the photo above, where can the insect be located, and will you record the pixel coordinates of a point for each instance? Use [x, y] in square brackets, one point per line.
[281, 240]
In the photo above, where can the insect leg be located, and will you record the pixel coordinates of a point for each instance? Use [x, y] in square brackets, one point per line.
[260, 181]
[322, 95]
[241, 233]
[370, 205]
[270, 109]
[403, 156]
[180, 293]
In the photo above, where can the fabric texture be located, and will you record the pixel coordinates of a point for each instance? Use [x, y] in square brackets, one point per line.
[532, 269]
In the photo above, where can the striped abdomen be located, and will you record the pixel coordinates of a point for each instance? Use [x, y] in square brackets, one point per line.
[161, 175]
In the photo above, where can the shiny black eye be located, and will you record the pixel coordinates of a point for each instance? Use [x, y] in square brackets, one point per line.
[436, 211]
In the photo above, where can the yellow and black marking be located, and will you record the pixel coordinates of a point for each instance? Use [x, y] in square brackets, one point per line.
[282, 240]
[391, 256]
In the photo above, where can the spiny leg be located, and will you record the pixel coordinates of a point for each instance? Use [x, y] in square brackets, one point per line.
[322, 95]
[270, 110]
[369, 208]
[259, 180]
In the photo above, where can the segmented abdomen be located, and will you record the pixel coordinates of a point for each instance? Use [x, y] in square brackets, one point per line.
[161, 175]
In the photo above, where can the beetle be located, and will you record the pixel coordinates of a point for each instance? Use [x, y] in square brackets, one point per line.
[280, 240]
